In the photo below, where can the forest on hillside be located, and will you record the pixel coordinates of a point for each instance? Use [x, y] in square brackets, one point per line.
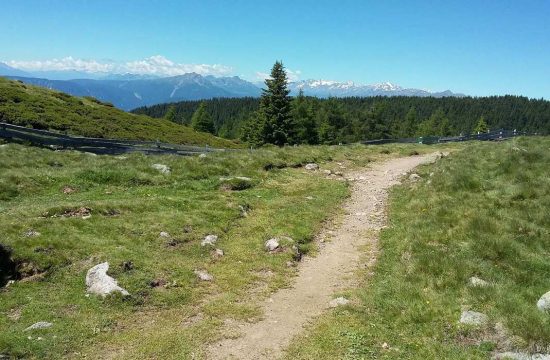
[354, 119]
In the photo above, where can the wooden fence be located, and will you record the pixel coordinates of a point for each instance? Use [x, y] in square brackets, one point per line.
[488, 136]
[56, 141]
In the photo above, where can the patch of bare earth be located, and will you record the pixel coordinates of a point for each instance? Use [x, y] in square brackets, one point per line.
[320, 277]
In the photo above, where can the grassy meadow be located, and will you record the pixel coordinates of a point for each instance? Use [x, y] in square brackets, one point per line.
[170, 313]
[41, 108]
[483, 212]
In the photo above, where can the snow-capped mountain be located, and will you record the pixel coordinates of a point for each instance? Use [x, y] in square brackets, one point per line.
[327, 88]
[128, 91]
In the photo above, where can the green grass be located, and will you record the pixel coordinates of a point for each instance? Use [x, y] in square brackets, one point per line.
[41, 108]
[131, 203]
[484, 213]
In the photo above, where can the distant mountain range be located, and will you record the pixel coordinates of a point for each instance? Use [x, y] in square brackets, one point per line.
[129, 91]
[324, 88]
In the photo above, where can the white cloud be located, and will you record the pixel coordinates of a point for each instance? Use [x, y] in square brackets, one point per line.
[154, 65]
[292, 75]
[159, 65]
[66, 63]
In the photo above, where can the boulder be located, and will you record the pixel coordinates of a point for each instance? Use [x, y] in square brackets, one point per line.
[39, 325]
[209, 240]
[218, 253]
[339, 301]
[203, 275]
[414, 177]
[164, 169]
[544, 302]
[311, 167]
[164, 234]
[327, 172]
[99, 283]
[272, 244]
[473, 318]
[202, 156]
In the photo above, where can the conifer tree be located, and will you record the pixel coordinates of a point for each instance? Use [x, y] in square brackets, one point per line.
[481, 126]
[304, 120]
[171, 113]
[277, 126]
[201, 120]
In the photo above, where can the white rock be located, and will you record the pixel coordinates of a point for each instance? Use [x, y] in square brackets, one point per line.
[414, 177]
[219, 252]
[203, 275]
[39, 325]
[477, 282]
[99, 283]
[327, 172]
[32, 233]
[544, 302]
[520, 356]
[311, 166]
[272, 244]
[309, 197]
[209, 240]
[162, 168]
[164, 234]
[473, 318]
[202, 156]
[339, 301]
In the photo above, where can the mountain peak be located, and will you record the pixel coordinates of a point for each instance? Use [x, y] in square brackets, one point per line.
[327, 88]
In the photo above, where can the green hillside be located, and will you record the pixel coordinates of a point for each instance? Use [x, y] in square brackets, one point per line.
[41, 108]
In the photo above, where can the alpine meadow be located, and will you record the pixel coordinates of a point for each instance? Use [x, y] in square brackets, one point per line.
[274, 180]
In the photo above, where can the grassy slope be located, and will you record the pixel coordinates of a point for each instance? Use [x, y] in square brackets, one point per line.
[41, 108]
[147, 202]
[484, 214]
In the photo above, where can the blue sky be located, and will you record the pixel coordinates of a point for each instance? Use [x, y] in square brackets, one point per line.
[478, 47]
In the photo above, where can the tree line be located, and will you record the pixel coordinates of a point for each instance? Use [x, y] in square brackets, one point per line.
[278, 118]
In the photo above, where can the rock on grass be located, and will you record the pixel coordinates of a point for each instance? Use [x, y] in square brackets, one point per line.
[209, 240]
[473, 318]
[99, 283]
[164, 169]
[39, 325]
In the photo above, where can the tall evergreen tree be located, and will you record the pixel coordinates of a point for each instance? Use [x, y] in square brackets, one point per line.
[171, 113]
[304, 120]
[408, 128]
[481, 126]
[201, 120]
[277, 127]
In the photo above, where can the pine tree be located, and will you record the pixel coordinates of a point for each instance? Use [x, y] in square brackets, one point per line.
[304, 120]
[408, 128]
[171, 113]
[275, 108]
[201, 120]
[481, 126]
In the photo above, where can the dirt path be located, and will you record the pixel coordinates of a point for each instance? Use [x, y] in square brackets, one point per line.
[288, 310]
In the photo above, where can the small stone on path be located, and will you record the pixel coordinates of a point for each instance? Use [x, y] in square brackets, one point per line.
[339, 301]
